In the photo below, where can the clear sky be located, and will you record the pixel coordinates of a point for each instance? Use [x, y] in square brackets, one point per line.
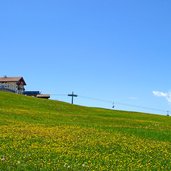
[114, 50]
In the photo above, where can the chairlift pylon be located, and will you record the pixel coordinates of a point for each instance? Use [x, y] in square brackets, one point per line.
[113, 105]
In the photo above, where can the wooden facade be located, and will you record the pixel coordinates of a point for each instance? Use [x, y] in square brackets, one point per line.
[12, 84]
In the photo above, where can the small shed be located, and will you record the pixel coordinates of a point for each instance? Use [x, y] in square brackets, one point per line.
[44, 96]
[31, 93]
[36, 94]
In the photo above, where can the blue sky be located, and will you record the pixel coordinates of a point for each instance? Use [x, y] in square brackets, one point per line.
[111, 50]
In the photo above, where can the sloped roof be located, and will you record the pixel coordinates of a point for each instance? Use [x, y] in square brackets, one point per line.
[43, 96]
[12, 79]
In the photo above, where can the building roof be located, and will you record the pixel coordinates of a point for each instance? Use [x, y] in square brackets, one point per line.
[31, 93]
[12, 79]
[46, 96]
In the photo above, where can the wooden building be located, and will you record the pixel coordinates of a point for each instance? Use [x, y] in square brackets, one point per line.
[36, 94]
[16, 85]
[12, 84]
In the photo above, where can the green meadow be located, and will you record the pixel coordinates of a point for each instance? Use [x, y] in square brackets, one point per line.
[38, 134]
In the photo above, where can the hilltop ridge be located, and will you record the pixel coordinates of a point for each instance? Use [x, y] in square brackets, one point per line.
[52, 135]
[50, 112]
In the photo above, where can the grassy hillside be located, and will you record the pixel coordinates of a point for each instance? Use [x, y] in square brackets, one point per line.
[38, 134]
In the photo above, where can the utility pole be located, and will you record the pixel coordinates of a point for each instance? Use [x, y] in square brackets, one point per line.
[72, 95]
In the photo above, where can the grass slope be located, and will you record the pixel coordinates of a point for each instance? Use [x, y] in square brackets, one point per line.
[38, 134]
